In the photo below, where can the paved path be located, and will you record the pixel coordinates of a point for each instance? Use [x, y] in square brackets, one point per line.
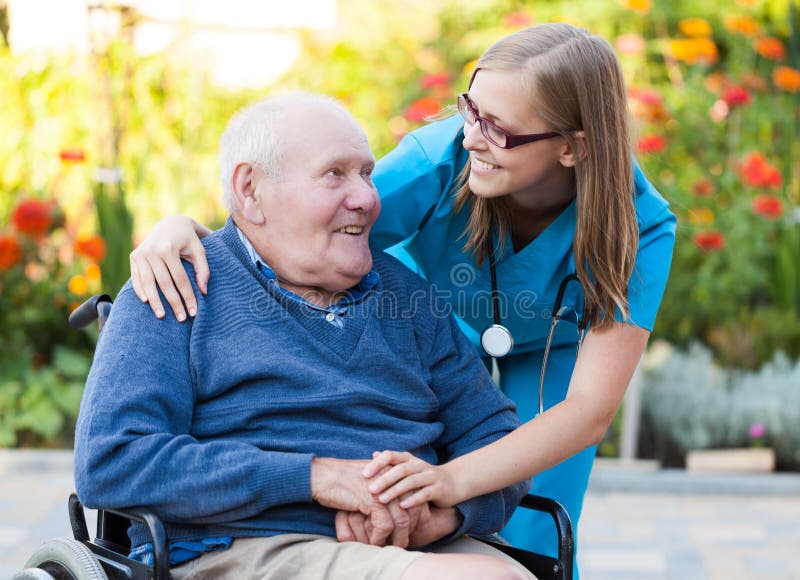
[637, 523]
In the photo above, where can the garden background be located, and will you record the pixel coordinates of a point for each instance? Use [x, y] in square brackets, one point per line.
[98, 144]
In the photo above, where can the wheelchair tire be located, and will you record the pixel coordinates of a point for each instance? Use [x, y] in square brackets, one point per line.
[62, 558]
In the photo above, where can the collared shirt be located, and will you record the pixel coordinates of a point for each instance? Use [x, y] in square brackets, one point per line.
[334, 313]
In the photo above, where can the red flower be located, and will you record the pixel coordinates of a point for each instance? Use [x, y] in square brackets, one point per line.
[734, 96]
[72, 155]
[756, 171]
[709, 241]
[703, 187]
[652, 144]
[92, 247]
[646, 95]
[33, 217]
[432, 80]
[768, 206]
[10, 251]
[423, 108]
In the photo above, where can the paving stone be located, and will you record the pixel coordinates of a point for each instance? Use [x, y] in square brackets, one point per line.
[628, 560]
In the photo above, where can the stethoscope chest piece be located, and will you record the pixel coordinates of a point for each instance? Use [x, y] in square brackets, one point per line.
[497, 341]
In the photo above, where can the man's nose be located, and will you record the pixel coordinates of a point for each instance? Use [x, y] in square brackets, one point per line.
[362, 196]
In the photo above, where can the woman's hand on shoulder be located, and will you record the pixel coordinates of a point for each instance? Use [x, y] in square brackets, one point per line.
[156, 264]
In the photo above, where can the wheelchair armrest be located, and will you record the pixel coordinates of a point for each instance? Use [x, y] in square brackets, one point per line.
[95, 308]
[545, 567]
[566, 541]
[151, 522]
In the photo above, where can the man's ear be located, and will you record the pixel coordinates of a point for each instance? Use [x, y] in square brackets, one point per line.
[245, 200]
[572, 152]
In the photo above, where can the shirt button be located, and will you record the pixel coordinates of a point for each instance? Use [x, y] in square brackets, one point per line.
[329, 317]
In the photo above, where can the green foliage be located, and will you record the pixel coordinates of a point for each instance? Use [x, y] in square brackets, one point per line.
[43, 363]
[692, 403]
[116, 226]
[157, 120]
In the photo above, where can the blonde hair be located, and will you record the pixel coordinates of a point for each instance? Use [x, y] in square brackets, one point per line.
[576, 84]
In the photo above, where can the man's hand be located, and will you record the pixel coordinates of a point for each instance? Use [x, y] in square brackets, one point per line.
[356, 527]
[339, 484]
[441, 522]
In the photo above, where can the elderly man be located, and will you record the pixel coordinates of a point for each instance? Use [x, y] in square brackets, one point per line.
[247, 428]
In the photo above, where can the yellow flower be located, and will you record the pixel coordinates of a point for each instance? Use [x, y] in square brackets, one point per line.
[470, 66]
[78, 284]
[92, 274]
[694, 50]
[743, 25]
[694, 27]
[701, 216]
[640, 6]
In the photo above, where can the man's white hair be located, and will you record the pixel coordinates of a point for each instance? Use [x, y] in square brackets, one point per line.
[253, 135]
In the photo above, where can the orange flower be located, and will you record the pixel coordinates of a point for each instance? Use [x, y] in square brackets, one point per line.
[703, 187]
[756, 171]
[33, 217]
[769, 47]
[786, 79]
[640, 6]
[652, 144]
[78, 284]
[735, 96]
[423, 108]
[715, 82]
[648, 104]
[694, 27]
[695, 50]
[709, 240]
[10, 251]
[92, 247]
[768, 206]
[93, 274]
[743, 25]
[701, 216]
[753, 81]
[72, 155]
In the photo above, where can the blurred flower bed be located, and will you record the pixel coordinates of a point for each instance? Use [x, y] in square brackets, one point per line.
[46, 269]
[714, 91]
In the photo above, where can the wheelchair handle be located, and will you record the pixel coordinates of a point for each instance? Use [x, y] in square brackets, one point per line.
[95, 308]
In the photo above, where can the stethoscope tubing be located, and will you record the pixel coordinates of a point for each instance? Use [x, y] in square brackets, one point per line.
[507, 339]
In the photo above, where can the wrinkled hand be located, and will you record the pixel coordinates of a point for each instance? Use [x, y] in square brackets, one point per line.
[356, 527]
[441, 522]
[394, 474]
[156, 263]
[339, 484]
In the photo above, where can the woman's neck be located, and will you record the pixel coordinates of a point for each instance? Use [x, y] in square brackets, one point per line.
[526, 223]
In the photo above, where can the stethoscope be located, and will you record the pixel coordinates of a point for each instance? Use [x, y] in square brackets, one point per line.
[498, 341]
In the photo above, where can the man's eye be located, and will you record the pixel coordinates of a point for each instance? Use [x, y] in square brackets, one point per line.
[334, 172]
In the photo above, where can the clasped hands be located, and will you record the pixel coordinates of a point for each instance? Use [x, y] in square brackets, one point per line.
[374, 500]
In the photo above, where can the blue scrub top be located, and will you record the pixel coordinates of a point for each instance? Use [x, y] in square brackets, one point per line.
[416, 184]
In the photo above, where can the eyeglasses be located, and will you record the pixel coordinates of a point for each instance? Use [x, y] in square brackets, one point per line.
[492, 132]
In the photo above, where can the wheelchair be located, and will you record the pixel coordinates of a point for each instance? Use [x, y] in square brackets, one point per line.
[106, 556]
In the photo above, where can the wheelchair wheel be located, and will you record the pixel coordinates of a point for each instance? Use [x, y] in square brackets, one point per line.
[62, 558]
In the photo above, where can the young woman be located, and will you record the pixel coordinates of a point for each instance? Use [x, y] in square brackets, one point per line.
[497, 208]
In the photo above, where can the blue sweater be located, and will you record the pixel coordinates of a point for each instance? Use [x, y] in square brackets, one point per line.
[213, 423]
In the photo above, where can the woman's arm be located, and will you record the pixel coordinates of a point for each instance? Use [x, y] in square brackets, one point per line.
[156, 263]
[602, 372]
